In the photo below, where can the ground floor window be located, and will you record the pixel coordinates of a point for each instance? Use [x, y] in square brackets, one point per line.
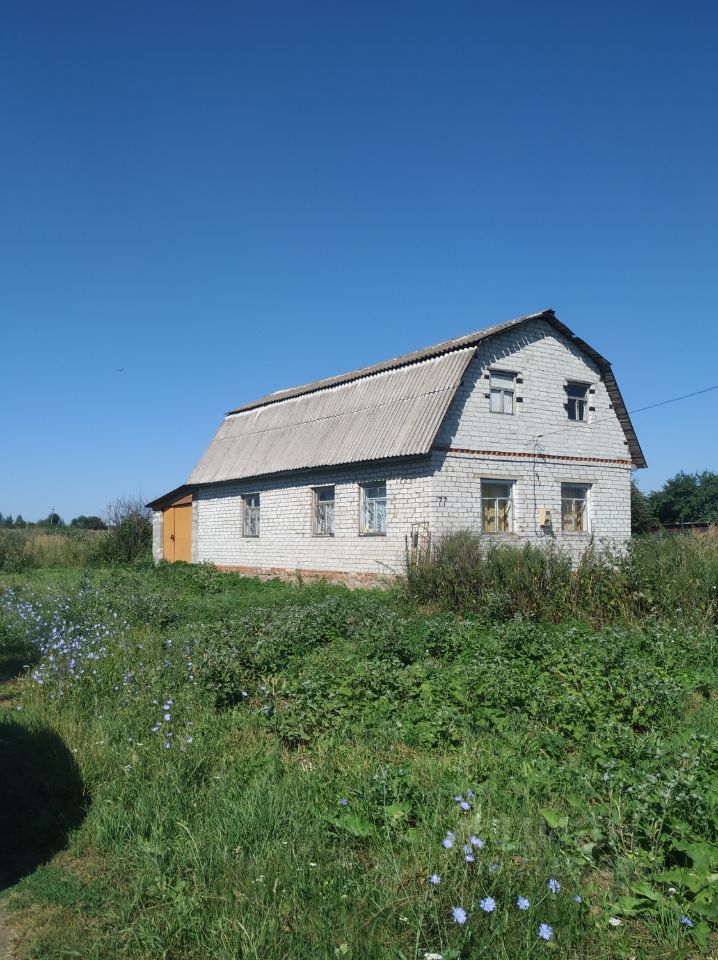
[324, 511]
[497, 506]
[373, 508]
[251, 515]
[574, 507]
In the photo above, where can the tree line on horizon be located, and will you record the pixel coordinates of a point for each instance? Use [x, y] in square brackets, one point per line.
[120, 510]
[54, 521]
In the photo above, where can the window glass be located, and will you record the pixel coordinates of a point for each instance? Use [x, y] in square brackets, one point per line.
[577, 403]
[502, 392]
[496, 506]
[251, 515]
[324, 511]
[574, 507]
[374, 508]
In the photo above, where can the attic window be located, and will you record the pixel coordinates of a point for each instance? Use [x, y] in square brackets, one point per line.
[577, 402]
[502, 387]
[251, 515]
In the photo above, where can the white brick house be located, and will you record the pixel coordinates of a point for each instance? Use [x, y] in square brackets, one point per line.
[518, 431]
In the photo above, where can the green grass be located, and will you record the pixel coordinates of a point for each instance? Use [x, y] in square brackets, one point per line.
[591, 753]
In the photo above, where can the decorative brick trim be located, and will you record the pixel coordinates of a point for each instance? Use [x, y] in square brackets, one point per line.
[364, 580]
[512, 455]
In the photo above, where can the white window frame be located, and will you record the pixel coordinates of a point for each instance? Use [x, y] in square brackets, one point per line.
[323, 511]
[502, 392]
[373, 510]
[572, 518]
[578, 402]
[487, 482]
[251, 515]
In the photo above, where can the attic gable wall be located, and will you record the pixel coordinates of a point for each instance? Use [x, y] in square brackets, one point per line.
[544, 360]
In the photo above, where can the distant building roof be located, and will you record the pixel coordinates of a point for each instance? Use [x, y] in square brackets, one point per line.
[391, 409]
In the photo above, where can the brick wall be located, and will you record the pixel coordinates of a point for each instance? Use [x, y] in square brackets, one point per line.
[286, 540]
[536, 485]
[157, 547]
[544, 361]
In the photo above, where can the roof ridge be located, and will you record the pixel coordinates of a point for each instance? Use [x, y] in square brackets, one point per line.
[415, 356]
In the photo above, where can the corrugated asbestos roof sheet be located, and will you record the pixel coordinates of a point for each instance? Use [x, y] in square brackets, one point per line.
[391, 409]
[393, 413]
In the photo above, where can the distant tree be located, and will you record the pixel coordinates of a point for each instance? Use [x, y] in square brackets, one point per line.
[88, 523]
[643, 517]
[687, 498]
[7, 521]
[19, 522]
[52, 520]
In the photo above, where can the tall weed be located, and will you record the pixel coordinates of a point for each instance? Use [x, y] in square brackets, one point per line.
[657, 576]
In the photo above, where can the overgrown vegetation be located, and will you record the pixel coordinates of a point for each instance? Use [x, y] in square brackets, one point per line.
[125, 536]
[305, 772]
[668, 577]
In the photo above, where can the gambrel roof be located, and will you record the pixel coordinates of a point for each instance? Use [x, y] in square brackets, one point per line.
[392, 409]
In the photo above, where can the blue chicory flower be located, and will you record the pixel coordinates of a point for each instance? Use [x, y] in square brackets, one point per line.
[522, 903]
[459, 915]
[554, 886]
[488, 904]
[545, 932]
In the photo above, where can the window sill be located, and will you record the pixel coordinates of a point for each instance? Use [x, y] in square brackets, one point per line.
[250, 536]
[372, 533]
[576, 533]
[323, 536]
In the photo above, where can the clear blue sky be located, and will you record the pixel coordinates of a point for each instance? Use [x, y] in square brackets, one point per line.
[227, 198]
